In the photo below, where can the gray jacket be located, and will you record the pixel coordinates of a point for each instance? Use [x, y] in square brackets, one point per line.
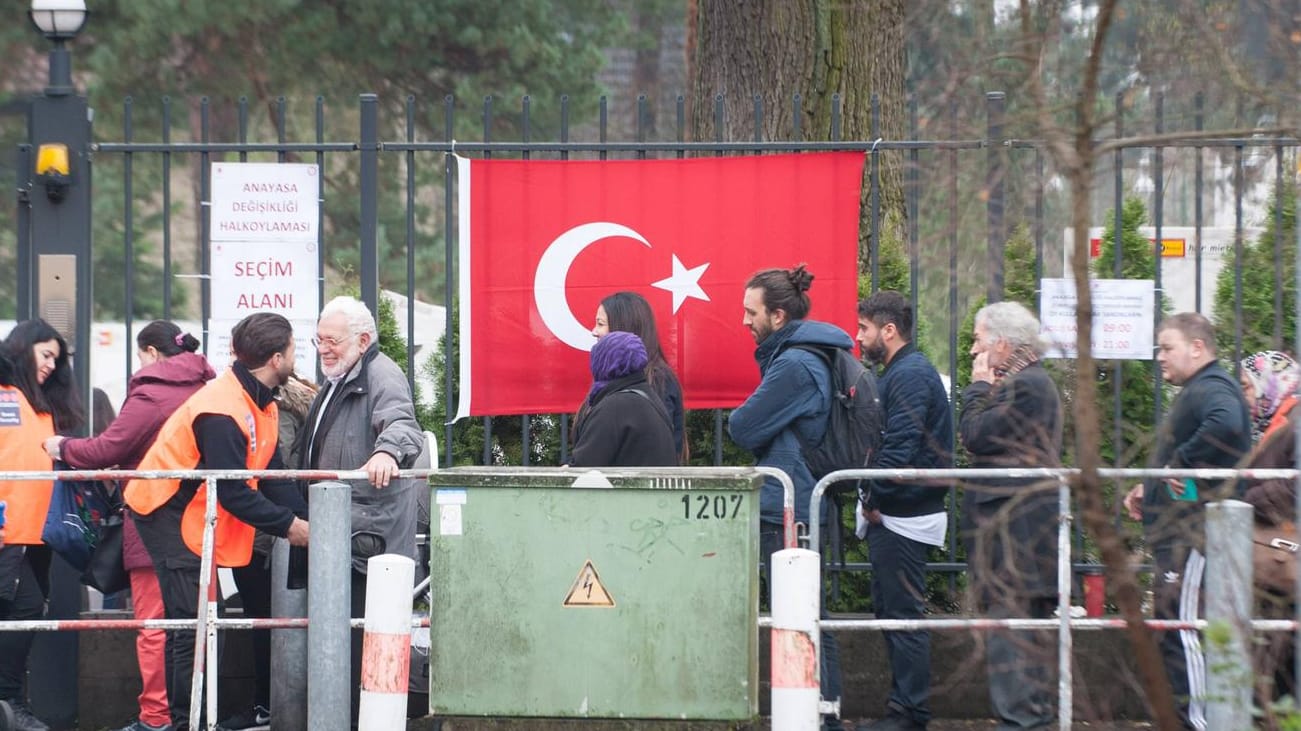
[369, 410]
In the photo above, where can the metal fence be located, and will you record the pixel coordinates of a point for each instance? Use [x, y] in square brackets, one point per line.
[396, 195]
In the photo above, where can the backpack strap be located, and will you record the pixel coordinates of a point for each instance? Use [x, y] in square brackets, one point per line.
[659, 408]
[824, 354]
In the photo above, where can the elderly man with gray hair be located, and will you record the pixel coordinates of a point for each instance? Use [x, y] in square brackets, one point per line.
[364, 418]
[1012, 417]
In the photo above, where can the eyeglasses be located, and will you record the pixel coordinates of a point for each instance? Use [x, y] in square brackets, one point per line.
[330, 342]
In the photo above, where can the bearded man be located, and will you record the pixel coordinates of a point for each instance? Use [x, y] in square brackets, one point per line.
[232, 423]
[364, 418]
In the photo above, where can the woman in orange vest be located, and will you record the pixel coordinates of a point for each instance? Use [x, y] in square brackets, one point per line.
[37, 400]
[231, 423]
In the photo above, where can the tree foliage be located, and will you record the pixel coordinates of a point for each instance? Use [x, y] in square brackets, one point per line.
[1259, 286]
[255, 70]
[1136, 399]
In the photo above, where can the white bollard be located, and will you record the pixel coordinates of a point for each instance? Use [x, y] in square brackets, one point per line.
[386, 647]
[1229, 679]
[796, 641]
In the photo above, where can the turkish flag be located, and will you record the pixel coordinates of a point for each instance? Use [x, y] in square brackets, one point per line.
[543, 242]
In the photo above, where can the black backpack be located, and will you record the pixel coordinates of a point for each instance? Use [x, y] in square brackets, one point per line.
[855, 421]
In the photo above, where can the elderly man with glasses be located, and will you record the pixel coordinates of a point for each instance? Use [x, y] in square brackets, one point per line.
[364, 418]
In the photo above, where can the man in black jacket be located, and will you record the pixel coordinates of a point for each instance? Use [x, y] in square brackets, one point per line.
[903, 518]
[1208, 426]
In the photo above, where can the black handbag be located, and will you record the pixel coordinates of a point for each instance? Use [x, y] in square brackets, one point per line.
[104, 570]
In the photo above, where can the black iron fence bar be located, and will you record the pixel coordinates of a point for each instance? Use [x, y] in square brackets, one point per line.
[226, 147]
[1117, 260]
[205, 215]
[1199, 102]
[635, 147]
[1189, 143]
[1239, 174]
[128, 236]
[450, 259]
[167, 212]
[1158, 219]
[410, 232]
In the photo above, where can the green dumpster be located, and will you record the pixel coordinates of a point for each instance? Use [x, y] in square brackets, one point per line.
[637, 600]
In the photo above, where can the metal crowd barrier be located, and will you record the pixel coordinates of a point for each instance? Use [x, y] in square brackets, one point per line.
[1064, 623]
[207, 623]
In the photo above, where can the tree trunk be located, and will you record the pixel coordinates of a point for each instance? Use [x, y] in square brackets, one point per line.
[757, 56]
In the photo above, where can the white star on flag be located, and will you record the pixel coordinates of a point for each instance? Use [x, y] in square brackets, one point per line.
[684, 283]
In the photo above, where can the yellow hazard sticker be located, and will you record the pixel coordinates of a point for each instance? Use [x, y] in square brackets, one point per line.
[588, 591]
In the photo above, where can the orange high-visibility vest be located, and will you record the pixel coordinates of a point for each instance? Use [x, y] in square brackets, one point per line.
[22, 447]
[175, 449]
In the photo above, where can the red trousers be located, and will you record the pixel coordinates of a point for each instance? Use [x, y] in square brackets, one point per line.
[147, 600]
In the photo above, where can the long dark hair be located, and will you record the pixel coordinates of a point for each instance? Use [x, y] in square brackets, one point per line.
[630, 312]
[167, 338]
[58, 395]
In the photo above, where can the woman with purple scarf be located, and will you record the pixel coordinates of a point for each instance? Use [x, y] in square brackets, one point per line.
[621, 423]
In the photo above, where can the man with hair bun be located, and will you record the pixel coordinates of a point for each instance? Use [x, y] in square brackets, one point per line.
[789, 408]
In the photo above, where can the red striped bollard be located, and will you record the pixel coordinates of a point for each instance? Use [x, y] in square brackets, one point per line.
[796, 602]
[386, 647]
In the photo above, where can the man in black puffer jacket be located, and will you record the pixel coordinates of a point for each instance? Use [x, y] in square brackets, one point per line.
[904, 518]
[1208, 426]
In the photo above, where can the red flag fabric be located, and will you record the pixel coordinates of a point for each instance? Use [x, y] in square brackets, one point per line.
[543, 242]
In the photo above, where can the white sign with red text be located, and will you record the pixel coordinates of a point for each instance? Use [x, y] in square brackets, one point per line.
[265, 253]
[249, 276]
[262, 201]
[1123, 311]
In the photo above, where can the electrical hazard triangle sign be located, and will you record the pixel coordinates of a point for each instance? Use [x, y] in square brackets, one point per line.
[588, 591]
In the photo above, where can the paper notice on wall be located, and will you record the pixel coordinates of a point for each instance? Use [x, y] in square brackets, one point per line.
[449, 519]
[1123, 318]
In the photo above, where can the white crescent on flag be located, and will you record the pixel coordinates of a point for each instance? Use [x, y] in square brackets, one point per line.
[553, 271]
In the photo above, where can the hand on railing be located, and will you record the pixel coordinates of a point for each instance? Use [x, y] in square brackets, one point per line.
[380, 468]
[298, 532]
[1134, 502]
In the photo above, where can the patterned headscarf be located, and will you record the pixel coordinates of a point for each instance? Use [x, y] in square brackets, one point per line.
[1274, 376]
[616, 355]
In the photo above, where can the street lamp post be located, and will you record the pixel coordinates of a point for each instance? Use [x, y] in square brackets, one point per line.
[54, 283]
[60, 21]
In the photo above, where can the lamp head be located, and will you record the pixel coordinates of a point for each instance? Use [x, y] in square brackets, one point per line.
[58, 20]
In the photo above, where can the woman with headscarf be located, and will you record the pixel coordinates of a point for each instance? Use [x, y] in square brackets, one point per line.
[1269, 383]
[630, 312]
[171, 370]
[37, 400]
[621, 422]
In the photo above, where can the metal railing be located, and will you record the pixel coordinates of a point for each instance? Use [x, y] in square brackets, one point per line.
[207, 623]
[1064, 623]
